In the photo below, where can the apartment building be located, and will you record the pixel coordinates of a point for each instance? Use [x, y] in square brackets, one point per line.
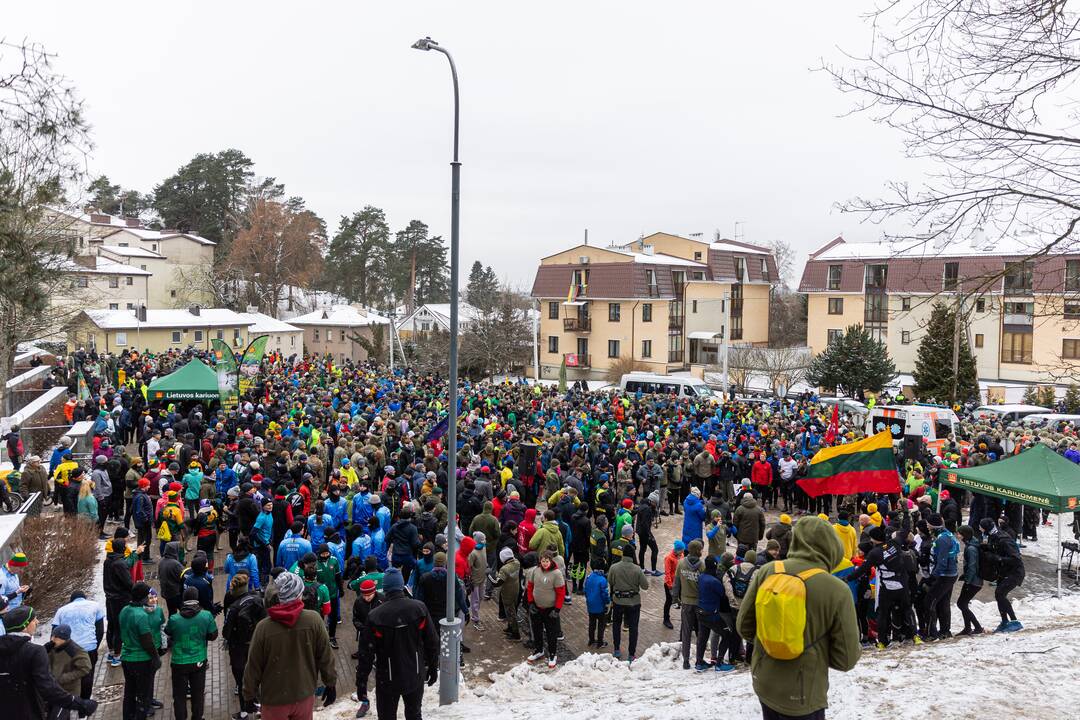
[663, 301]
[1023, 312]
[157, 330]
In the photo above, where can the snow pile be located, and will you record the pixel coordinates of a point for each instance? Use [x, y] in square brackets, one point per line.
[1024, 674]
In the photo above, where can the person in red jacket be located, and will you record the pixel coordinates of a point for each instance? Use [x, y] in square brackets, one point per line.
[761, 476]
[461, 560]
[526, 530]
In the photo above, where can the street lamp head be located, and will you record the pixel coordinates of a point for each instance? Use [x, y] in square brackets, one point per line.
[425, 44]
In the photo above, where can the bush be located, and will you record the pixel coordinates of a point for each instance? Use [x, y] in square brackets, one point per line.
[621, 367]
[62, 551]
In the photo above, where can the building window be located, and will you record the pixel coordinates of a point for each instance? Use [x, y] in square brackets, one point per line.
[153, 247]
[131, 306]
[979, 340]
[693, 306]
[877, 312]
[980, 305]
[740, 269]
[553, 311]
[876, 276]
[1072, 309]
[834, 335]
[220, 334]
[951, 278]
[764, 270]
[172, 293]
[646, 312]
[121, 338]
[316, 334]
[1016, 348]
[142, 267]
[1072, 275]
[905, 337]
[614, 312]
[82, 282]
[646, 348]
[651, 288]
[905, 303]
[176, 335]
[697, 256]
[613, 348]
[553, 344]
[698, 274]
[836, 306]
[114, 306]
[114, 282]
[198, 335]
[1018, 277]
[836, 274]
[292, 341]
[736, 327]
[1070, 349]
[129, 280]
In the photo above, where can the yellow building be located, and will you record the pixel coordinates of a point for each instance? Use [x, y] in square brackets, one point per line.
[158, 330]
[663, 302]
[1022, 317]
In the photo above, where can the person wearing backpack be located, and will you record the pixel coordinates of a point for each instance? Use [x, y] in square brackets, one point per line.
[944, 570]
[790, 668]
[1003, 554]
[972, 582]
[736, 580]
[713, 605]
[685, 592]
[142, 515]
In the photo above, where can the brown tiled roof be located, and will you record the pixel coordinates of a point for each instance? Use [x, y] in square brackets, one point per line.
[815, 277]
[607, 280]
[722, 264]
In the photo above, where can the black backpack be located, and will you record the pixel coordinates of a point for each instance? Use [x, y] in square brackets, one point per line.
[989, 564]
[241, 619]
[428, 527]
[740, 583]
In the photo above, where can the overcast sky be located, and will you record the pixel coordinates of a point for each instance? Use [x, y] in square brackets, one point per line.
[621, 117]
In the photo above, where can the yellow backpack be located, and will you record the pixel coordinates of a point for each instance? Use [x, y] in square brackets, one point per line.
[780, 608]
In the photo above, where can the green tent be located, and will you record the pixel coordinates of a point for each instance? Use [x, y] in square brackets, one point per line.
[1038, 477]
[194, 381]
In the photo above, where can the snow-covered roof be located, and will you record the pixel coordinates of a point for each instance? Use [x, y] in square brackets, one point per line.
[731, 247]
[102, 266]
[1022, 244]
[148, 235]
[655, 258]
[441, 313]
[340, 316]
[262, 323]
[128, 251]
[167, 318]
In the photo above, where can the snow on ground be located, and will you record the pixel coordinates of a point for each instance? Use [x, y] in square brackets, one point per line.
[1047, 546]
[1027, 674]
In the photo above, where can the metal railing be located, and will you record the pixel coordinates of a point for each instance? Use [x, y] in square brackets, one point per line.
[577, 324]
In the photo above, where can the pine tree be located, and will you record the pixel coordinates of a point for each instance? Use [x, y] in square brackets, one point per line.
[934, 362]
[1072, 399]
[853, 363]
[1031, 395]
[562, 375]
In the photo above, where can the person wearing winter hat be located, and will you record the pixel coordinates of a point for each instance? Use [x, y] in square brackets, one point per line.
[29, 689]
[972, 583]
[399, 636]
[141, 621]
[476, 577]
[10, 586]
[290, 651]
[671, 562]
[507, 583]
[685, 592]
[189, 631]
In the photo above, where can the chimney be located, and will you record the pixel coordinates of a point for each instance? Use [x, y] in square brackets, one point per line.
[86, 261]
[133, 222]
[194, 310]
[252, 309]
[100, 219]
[140, 313]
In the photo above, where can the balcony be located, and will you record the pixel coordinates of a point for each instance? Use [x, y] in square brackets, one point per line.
[1019, 318]
[574, 360]
[577, 324]
[652, 290]
[675, 322]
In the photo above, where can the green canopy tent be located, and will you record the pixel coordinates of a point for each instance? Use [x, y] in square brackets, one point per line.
[194, 381]
[1038, 477]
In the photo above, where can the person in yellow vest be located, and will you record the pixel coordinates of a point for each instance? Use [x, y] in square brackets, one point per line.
[848, 537]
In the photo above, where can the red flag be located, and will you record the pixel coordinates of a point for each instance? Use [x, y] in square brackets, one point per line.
[834, 425]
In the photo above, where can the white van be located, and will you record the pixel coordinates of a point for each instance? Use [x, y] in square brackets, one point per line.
[1050, 420]
[930, 422]
[635, 382]
[1008, 413]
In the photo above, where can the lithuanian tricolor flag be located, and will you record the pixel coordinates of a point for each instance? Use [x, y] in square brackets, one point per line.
[864, 466]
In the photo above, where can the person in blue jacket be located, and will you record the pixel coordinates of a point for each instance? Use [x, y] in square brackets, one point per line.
[597, 600]
[319, 525]
[241, 560]
[224, 479]
[713, 605]
[293, 547]
[693, 516]
[381, 512]
[944, 569]
[361, 506]
[336, 507]
[378, 542]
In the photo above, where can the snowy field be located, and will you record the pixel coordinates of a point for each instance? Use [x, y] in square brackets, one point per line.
[1028, 674]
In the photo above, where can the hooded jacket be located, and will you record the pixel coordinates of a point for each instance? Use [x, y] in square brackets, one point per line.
[749, 521]
[693, 517]
[526, 530]
[685, 588]
[546, 535]
[461, 560]
[487, 523]
[170, 571]
[513, 510]
[290, 651]
[801, 686]
[781, 533]
[627, 580]
[28, 665]
[400, 642]
[69, 665]
[116, 577]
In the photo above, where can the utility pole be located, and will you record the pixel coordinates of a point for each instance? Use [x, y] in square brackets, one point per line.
[727, 332]
[392, 333]
[536, 340]
[956, 346]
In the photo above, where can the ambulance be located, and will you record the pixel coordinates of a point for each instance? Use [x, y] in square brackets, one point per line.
[929, 422]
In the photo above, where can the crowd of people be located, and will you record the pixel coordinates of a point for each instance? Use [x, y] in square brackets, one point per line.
[328, 485]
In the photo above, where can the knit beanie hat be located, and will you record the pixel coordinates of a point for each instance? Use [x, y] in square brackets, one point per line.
[680, 546]
[785, 519]
[627, 531]
[750, 557]
[393, 581]
[694, 548]
[18, 560]
[440, 559]
[772, 545]
[506, 555]
[289, 586]
[17, 619]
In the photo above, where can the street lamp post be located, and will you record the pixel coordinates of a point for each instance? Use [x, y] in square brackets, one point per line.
[450, 635]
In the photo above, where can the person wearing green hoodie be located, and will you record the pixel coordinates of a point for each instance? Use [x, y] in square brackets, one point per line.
[189, 631]
[798, 688]
[685, 592]
[548, 535]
